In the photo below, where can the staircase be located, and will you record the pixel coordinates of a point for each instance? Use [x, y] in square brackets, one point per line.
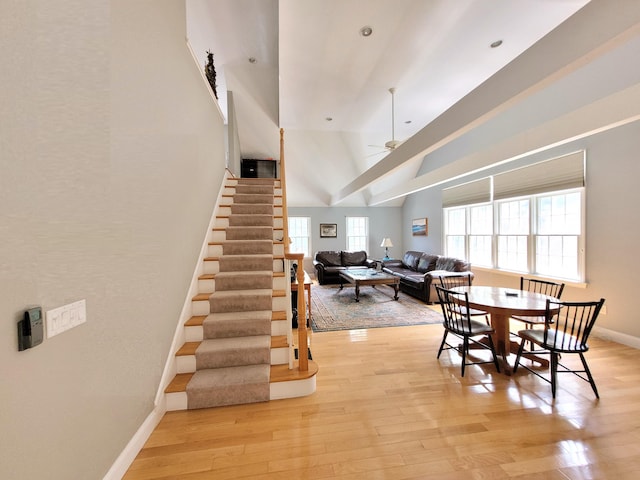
[238, 341]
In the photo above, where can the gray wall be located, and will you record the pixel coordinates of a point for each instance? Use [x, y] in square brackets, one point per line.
[111, 158]
[613, 229]
[383, 222]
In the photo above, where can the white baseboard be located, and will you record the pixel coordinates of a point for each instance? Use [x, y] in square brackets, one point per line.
[128, 455]
[617, 337]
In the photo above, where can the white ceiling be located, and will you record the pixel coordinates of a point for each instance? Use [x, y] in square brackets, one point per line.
[312, 64]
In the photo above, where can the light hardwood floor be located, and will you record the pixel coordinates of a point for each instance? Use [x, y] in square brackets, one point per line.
[385, 408]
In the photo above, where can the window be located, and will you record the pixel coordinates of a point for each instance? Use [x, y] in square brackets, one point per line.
[456, 230]
[559, 223]
[481, 235]
[357, 234]
[538, 234]
[299, 233]
[527, 220]
[513, 235]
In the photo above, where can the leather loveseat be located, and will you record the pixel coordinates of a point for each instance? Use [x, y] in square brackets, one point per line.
[328, 264]
[419, 272]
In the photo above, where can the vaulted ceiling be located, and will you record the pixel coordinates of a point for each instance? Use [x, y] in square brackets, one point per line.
[305, 66]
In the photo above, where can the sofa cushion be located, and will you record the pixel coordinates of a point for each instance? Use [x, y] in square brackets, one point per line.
[414, 278]
[452, 264]
[350, 259]
[411, 259]
[427, 262]
[329, 258]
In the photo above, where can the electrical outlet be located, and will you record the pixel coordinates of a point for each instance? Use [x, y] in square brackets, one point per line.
[603, 310]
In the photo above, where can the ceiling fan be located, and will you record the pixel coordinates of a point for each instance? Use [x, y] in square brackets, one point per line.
[393, 143]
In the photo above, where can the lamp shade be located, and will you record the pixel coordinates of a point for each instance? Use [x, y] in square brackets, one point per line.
[386, 242]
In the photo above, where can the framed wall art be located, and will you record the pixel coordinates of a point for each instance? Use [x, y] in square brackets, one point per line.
[328, 230]
[420, 226]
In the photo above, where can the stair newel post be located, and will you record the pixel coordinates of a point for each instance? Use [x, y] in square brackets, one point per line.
[303, 348]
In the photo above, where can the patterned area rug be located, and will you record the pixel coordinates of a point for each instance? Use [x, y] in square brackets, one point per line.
[335, 309]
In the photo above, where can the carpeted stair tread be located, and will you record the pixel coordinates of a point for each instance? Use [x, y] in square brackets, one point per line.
[253, 198]
[244, 280]
[228, 386]
[244, 247]
[233, 351]
[236, 263]
[249, 233]
[260, 209]
[257, 181]
[243, 220]
[237, 324]
[240, 300]
[255, 189]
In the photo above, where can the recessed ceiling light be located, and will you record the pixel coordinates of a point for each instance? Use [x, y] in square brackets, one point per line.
[252, 60]
[496, 44]
[366, 31]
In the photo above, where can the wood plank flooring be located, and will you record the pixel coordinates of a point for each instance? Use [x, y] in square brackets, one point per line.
[386, 408]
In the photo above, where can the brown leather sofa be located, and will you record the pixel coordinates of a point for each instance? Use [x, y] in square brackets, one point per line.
[328, 264]
[419, 272]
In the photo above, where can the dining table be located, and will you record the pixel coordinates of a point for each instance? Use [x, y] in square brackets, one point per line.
[501, 304]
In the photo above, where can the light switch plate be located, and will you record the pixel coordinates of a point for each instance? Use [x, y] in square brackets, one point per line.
[64, 318]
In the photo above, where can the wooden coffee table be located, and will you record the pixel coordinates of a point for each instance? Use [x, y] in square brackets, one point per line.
[369, 276]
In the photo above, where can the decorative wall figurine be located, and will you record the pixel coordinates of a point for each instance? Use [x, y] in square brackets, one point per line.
[210, 72]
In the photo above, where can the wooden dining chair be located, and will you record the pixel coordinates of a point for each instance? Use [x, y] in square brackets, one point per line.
[544, 287]
[457, 321]
[462, 280]
[566, 331]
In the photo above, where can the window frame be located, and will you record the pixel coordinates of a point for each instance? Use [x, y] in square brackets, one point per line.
[531, 237]
[293, 236]
[349, 235]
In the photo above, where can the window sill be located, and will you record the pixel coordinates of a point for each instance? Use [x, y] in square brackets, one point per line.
[568, 283]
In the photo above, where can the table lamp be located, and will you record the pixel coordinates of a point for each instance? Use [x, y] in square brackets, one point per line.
[386, 243]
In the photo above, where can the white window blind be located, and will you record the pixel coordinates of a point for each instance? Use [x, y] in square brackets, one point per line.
[560, 173]
[478, 191]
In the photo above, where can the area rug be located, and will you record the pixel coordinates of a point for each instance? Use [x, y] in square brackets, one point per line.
[335, 309]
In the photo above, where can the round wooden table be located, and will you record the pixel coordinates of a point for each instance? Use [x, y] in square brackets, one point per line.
[502, 303]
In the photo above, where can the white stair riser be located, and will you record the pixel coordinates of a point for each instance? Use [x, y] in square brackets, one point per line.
[193, 334]
[279, 303]
[296, 388]
[280, 356]
[206, 286]
[186, 363]
[280, 327]
[211, 266]
[176, 401]
[279, 283]
[200, 307]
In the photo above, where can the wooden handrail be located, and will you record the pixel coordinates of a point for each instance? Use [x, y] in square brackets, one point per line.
[303, 349]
